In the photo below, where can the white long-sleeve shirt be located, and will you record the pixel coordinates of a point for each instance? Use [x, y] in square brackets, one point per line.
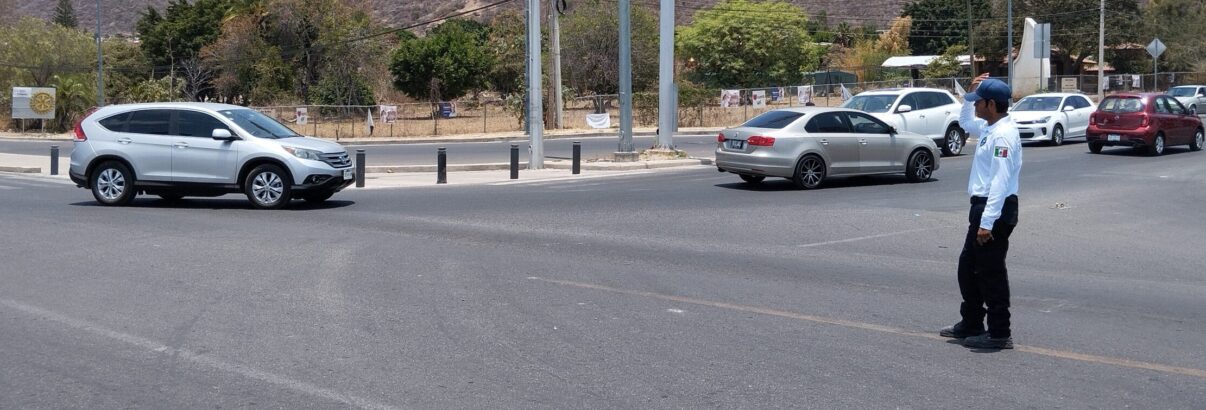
[997, 162]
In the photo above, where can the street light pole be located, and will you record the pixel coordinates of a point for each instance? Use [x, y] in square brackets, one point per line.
[1101, 54]
[1009, 39]
[100, 61]
[667, 103]
[535, 103]
[626, 151]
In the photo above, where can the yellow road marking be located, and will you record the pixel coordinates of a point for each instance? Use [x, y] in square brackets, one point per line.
[1062, 354]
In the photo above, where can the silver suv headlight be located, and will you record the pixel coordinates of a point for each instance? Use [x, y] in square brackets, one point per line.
[304, 153]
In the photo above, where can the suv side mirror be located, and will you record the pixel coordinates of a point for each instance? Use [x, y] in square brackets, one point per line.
[222, 134]
[904, 108]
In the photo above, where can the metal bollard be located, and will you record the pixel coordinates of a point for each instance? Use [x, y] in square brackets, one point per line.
[577, 167]
[54, 160]
[514, 161]
[359, 168]
[441, 166]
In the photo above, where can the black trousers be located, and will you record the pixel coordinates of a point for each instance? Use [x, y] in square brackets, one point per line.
[983, 278]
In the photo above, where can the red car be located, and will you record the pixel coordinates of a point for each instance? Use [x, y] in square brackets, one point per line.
[1149, 121]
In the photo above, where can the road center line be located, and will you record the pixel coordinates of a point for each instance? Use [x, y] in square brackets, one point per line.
[197, 358]
[862, 238]
[1062, 354]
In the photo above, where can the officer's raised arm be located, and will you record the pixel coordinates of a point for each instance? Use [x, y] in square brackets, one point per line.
[967, 115]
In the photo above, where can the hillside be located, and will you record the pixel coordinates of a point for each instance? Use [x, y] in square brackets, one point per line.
[120, 15]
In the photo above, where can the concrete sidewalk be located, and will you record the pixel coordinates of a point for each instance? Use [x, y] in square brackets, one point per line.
[34, 164]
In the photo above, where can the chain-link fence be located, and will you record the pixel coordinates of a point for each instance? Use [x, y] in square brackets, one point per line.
[396, 120]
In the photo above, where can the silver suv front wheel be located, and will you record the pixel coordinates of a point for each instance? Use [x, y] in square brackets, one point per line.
[268, 187]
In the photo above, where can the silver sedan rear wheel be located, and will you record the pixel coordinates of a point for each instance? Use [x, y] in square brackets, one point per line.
[810, 172]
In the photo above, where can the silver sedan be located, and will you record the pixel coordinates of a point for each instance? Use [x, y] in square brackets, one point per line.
[810, 144]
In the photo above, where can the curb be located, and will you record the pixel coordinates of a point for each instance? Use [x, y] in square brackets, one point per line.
[589, 166]
[21, 170]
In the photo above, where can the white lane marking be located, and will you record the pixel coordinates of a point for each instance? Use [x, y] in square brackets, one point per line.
[1062, 354]
[863, 238]
[197, 358]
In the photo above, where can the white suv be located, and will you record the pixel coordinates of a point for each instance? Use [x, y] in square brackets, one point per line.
[927, 111]
[175, 150]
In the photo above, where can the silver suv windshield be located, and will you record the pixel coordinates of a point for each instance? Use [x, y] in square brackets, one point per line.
[871, 103]
[259, 125]
[1181, 91]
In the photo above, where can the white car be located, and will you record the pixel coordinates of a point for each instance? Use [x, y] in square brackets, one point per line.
[931, 112]
[1052, 117]
[1191, 96]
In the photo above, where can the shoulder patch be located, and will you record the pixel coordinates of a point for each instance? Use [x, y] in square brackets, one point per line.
[1001, 152]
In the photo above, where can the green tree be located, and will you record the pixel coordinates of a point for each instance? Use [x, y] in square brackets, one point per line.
[939, 24]
[40, 51]
[946, 65]
[64, 14]
[590, 46]
[1178, 23]
[742, 43]
[180, 32]
[446, 64]
[506, 43]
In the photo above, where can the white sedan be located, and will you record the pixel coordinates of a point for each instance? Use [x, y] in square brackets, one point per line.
[1052, 117]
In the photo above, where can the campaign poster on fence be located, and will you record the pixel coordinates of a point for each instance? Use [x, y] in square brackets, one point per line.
[776, 94]
[759, 99]
[302, 115]
[730, 98]
[388, 113]
[804, 94]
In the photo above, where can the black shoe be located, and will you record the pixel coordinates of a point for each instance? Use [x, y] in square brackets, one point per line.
[986, 341]
[958, 332]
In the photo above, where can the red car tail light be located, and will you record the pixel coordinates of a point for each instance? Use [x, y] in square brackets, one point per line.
[1146, 121]
[720, 137]
[79, 129]
[760, 141]
[1093, 119]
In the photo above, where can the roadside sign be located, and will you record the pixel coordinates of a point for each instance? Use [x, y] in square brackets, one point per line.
[1042, 41]
[1156, 48]
[33, 103]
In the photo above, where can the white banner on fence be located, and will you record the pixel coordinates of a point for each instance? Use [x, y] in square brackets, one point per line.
[730, 98]
[1136, 81]
[804, 94]
[302, 115]
[598, 121]
[1069, 84]
[778, 94]
[369, 122]
[388, 113]
[759, 99]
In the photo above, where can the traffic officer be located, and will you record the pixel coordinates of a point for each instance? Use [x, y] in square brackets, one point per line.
[993, 187]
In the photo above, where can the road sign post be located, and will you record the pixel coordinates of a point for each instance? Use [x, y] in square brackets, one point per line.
[1155, 49]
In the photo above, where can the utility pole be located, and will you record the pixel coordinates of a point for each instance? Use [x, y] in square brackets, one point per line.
[626, 151]
[1101, 54]
[535, 105]
[100, 61]
[667, 92]
[1009, 40]
[555, 11]
[971, 41]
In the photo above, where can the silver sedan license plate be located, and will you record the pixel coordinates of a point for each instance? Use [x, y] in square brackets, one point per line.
[735, 144]
[1113, 137]
[347, 174]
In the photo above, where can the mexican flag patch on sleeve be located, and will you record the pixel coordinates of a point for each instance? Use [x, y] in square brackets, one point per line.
[1001, 152]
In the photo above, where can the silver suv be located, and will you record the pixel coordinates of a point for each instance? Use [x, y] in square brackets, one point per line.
[175, 150]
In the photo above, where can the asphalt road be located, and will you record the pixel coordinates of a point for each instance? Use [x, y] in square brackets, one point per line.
[679, 289]
[458, 153]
